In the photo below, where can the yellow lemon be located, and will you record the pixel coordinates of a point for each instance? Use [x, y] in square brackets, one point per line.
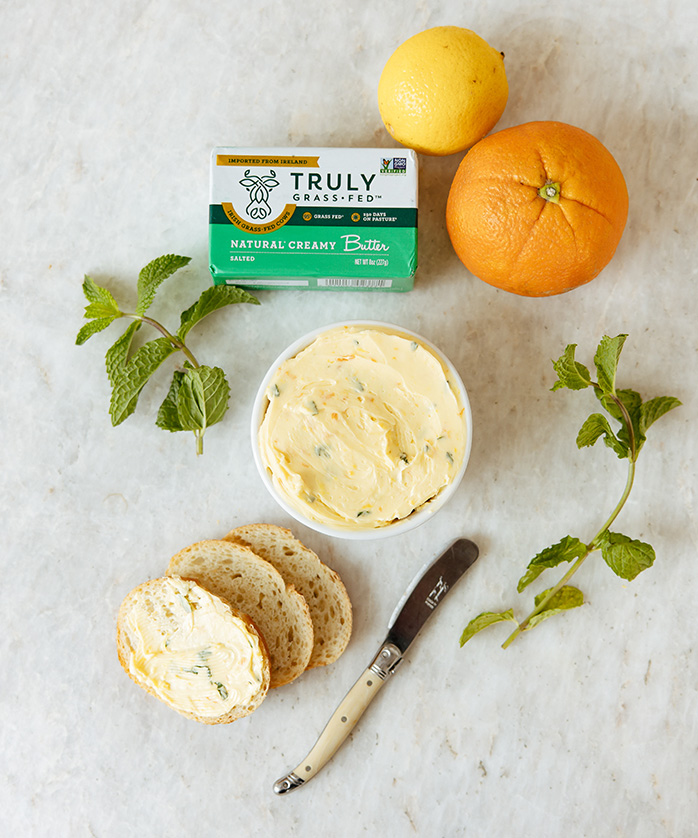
[442, 90]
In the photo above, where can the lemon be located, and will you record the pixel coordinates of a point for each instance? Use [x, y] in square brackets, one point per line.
[442, 90]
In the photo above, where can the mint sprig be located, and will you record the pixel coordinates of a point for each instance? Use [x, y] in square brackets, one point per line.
[625, 556]
[198, 395]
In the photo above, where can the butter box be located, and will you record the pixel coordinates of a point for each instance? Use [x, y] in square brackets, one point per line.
[317, 218]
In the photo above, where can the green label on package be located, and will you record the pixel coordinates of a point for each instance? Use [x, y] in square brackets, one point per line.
[317, 218]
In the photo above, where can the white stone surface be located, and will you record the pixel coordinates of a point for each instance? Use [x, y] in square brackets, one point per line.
[585, 727]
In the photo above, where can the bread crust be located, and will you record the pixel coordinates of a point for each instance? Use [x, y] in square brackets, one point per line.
[153, 589]
[322, 588]
[253, 586]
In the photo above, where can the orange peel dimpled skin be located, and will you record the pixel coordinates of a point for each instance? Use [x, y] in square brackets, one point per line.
[537, 209]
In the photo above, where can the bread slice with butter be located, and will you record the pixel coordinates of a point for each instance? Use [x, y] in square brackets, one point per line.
[254, 586]
[322, 588]
[190, 649]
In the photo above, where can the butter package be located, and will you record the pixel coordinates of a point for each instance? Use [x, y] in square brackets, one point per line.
[317, 218]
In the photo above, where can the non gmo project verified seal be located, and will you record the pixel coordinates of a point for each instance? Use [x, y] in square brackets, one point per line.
[393, 166]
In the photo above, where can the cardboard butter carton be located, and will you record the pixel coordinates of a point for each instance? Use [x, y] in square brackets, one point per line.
[317, 218]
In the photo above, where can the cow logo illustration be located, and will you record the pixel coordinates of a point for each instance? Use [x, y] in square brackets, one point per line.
[259, 188]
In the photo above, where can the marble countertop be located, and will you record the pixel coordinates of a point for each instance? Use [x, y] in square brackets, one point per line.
[585, 727]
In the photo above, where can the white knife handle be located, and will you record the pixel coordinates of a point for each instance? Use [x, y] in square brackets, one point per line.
[344, 718]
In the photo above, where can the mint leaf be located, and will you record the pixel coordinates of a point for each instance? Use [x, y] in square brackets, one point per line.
[168, 415]
[566, 550]
[92, 328]
[567, 597]
[153, 275]
[102, 309]
[632, 402]
[117, 354]
[596, 426]
[641, 415]
[202, 398]
[606, 361]
[484, 620]
[570, 373]
[129, 379]
[626, 557]
[654, 409]
[213, 298]
[630, 398]
[101, 302]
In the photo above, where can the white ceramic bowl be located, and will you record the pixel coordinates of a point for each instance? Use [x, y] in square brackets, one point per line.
[419, 516]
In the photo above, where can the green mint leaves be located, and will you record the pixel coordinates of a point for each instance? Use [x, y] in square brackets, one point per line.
[570, 373]
[129, 377]
[555, 601]
[483, 621]
[153, 275]
[606, 361]
[213, 298]
[198, 395]
[198, 398]
[625, 406]
[625, 556]
[101, 309]
[597, 426]
[566, 550]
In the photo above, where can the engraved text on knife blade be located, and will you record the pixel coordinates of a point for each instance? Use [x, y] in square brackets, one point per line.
[436, 593]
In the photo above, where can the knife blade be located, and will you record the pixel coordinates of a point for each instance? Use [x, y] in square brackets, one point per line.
[418, 603]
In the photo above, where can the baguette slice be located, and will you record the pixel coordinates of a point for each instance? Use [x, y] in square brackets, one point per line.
[256, 588]
[191, 650]
[323, 590]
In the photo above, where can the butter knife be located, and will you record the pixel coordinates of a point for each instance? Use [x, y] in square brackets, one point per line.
[418, 603]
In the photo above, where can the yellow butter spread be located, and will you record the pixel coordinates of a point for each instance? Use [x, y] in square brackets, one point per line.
[362, 427]
[207, 663]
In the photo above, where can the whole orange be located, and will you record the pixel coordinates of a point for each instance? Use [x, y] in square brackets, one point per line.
[537, 209]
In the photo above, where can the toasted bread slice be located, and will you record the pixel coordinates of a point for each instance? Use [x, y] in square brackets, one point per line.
[323, 590]
[191, 650]
[253, 586]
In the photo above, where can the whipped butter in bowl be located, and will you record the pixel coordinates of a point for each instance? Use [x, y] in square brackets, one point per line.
[361, 430]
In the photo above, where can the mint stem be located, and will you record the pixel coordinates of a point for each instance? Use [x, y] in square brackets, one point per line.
[543, 604]
[178, 344]
[175, 341]
[594, 544]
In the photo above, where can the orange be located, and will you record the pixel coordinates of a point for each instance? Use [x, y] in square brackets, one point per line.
[537, 209]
